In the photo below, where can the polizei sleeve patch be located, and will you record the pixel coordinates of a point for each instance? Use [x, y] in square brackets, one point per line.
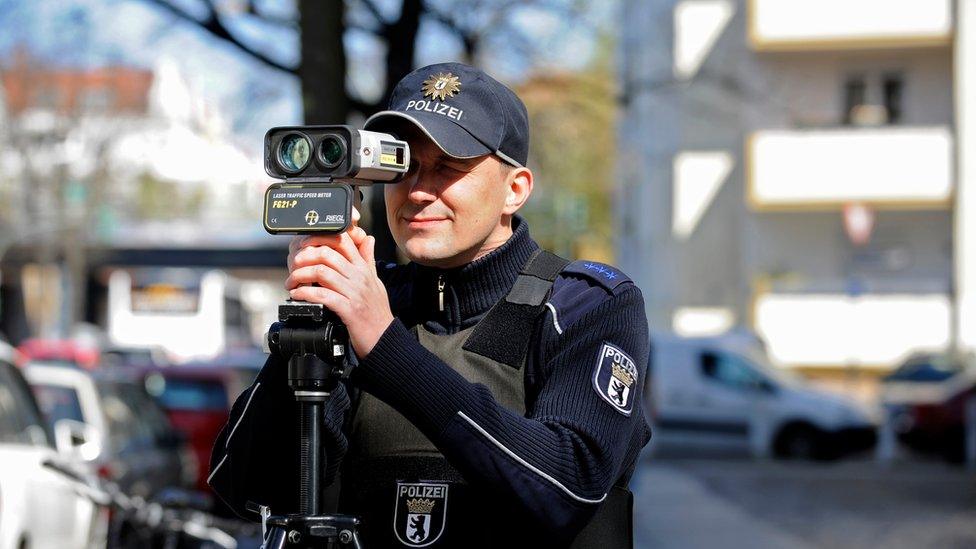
[615, 378]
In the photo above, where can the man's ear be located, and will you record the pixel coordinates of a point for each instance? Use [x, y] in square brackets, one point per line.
[519, 184]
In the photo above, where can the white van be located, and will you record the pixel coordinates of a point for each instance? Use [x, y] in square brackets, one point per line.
[721, 393]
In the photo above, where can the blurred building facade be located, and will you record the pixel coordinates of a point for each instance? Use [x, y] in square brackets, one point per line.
[126, 202]
[796, 167]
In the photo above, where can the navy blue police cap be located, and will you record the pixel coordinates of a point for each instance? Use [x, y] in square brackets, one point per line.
[463, 110]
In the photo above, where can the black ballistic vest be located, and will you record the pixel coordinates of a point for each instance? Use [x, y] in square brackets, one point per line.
[407, 493]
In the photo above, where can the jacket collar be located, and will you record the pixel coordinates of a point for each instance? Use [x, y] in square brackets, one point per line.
[470, 290]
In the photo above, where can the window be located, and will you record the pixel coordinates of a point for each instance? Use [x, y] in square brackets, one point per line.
[134, 421]
[150, 412]
[732, 371]
[191, 394]
[873, 99]
[123, 428]
[58, 403]
[892, 90]
[855, 95]
[20, 420]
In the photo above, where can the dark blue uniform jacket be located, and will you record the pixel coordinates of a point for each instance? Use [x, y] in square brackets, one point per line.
[554, 464]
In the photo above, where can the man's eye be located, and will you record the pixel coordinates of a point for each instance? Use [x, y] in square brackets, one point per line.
[454, 169]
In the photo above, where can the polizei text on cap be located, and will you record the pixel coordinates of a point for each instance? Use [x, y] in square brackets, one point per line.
[436, 108]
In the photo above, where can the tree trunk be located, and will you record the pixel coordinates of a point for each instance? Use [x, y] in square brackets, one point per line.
[401, 38]
[323, 65]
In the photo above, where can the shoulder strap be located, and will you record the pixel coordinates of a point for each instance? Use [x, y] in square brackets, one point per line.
[503, 334]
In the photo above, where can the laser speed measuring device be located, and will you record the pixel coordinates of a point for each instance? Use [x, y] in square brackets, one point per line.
[320, 165]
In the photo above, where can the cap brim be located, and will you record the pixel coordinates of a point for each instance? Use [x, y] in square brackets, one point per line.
[454, 140]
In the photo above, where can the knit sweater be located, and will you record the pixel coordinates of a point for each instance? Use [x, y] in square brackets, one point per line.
[554, 464]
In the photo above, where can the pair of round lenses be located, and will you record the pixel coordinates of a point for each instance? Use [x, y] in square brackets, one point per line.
[296, 150]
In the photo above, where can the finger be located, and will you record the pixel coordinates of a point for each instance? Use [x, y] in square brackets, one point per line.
[333, 300]
[294, 246]
[349, 249]
[322, 255]
[318, 274]
[340, 242]
[296, 243]
[358, 235]
[368, 250]
[355, 207]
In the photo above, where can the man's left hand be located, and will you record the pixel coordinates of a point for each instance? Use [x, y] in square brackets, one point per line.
[344, 269]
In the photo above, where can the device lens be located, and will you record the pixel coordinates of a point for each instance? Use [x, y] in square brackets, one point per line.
[294, 152]
[332, 151]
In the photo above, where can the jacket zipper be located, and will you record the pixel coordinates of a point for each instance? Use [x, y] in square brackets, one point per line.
[440, 292]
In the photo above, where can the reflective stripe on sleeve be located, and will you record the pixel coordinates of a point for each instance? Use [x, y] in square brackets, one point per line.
[528, 465]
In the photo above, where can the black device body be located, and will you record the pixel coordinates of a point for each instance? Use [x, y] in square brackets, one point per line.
[291, 208]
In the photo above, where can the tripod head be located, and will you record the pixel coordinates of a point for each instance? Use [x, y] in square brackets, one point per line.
[315, 342]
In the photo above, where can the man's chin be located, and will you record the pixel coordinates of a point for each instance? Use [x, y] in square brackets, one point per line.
[427, 251]
[421, 249]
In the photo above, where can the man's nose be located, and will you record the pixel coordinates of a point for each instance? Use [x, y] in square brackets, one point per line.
[423, 187]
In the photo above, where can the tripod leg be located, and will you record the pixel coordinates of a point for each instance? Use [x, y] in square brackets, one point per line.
[276, 539]
[310, 425]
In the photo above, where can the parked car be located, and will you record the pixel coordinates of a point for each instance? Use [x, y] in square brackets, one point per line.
[930, 367]
[38, 506]
[930, 417]
[723, 392]
[115, 425]
[197, 398]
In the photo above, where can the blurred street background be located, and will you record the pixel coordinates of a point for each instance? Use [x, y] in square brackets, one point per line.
[788, 182]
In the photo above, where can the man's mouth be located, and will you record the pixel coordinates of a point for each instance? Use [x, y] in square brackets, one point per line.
[423, 221]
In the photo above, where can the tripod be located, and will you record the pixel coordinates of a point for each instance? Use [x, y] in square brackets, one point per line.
[315, 343]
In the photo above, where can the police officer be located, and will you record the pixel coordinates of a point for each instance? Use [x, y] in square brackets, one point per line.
[497, 399]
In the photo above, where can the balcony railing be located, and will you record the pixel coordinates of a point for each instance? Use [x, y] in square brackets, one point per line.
[897, 167]
[797, 25]
[840, 330]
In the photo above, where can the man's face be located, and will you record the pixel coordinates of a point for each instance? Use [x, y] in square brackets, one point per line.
[446, 211]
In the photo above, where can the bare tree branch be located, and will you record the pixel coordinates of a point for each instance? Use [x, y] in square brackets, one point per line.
[352, 25]
[251, 9]
[471, 38]
[214, 26]
[375, 11]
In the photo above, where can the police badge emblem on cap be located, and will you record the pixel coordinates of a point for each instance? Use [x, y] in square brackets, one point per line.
[615, 378]
[420, 516]
[441, 86]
